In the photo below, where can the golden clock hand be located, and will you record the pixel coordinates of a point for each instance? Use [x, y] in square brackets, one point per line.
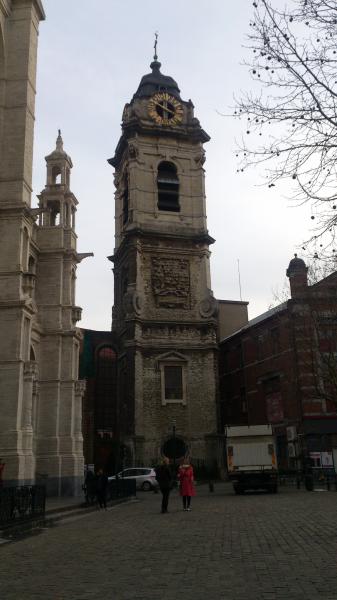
[165, 108]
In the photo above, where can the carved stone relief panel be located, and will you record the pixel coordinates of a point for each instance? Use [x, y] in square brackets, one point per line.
[171, 282]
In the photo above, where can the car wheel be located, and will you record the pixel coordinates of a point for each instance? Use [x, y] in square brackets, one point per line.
[146, 487]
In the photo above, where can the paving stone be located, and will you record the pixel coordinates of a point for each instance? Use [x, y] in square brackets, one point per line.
[251, 547]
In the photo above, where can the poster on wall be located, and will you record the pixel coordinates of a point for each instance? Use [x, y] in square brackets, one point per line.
[326, 460]
[321, 460]
[274, 407]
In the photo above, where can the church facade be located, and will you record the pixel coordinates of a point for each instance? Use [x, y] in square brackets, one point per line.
[40, 394]
[152, 384]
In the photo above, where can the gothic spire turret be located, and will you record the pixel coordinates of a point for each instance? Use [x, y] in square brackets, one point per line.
[57, 201]
[59, 152]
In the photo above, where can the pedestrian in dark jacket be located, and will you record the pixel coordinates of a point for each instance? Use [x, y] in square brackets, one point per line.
[90, 487]
[101, 488]
[165, 480]
[2, 468]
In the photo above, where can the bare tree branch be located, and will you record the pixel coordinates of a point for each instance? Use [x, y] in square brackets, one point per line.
[292, 121]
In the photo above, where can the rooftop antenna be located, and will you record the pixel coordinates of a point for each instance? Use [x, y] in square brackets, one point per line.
[239, 279]
[155, 46]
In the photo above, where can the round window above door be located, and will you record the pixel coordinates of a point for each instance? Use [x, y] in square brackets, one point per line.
[174, 448]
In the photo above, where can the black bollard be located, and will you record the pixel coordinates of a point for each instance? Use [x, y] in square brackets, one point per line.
[328, 482]
[211, 486]
[309, 482]
[298, 481]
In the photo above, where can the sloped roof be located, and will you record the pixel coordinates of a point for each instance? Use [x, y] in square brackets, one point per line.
[259, 319]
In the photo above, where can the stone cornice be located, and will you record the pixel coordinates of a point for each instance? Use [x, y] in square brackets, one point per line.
[75, 333]
[136, 127]
[15, 208]
[201, 238]
[46, 253]
[40, 10]
[36, 3]
[28, 306]
[5, 7]
[185, 346]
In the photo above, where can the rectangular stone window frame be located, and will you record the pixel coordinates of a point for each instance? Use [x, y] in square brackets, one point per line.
[183, 366]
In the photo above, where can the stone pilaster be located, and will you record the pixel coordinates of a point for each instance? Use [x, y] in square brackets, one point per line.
[19, 21]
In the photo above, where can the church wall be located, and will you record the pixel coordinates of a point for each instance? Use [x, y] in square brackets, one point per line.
[194, 420]
[21, 31]
[18, 43]
[142, 168]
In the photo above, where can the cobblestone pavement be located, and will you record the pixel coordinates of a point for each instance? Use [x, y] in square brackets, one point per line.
[260, 547]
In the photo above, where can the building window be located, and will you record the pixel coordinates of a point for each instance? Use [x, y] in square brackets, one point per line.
[168, 187]
[275, 340]
[240, 355]
[259, 346]
[173, 383]
[125, 200]
[243, 400]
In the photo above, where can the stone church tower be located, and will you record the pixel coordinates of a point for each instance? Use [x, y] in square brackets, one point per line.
[164, 312]
[40, 395]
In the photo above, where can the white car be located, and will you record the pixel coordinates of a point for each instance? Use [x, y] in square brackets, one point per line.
[145, 477]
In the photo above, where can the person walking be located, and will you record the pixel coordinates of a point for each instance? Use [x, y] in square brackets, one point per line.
[90, 487]
[186, 481]
[2, 468]
[165, 480]
[101, 488]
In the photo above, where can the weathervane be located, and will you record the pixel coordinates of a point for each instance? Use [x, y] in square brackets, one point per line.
[155, 45]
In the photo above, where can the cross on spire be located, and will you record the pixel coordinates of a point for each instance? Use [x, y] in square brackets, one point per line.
[59, 141]
[155, 57]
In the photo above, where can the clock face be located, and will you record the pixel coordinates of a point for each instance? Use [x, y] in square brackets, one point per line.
[165, 109]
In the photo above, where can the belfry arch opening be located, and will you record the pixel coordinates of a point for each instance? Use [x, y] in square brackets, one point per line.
[168, 187]
[25, 249]
[56, 176]
[125, 199]
[32, 265]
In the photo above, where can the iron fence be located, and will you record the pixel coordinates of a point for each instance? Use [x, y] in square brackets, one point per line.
[116, 489]
[121, 488]
[312, 479]
[21, 504]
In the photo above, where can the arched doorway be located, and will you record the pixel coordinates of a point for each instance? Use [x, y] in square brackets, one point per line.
[106, 446]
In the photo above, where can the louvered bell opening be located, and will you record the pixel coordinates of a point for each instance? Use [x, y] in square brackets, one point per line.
[168, 188]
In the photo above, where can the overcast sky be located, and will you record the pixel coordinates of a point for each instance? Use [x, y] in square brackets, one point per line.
[92, 55]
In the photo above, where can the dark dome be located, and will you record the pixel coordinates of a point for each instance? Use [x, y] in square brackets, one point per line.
[296, 264]
[156, 82]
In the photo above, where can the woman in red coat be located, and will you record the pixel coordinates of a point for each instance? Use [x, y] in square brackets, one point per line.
[186, 480]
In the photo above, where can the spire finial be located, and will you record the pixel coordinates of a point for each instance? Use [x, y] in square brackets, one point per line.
[155, 57]
[59, 141]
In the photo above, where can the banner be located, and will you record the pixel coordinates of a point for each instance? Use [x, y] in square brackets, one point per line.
[274, 407]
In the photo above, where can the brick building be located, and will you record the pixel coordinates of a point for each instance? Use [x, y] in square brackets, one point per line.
[281, 368]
